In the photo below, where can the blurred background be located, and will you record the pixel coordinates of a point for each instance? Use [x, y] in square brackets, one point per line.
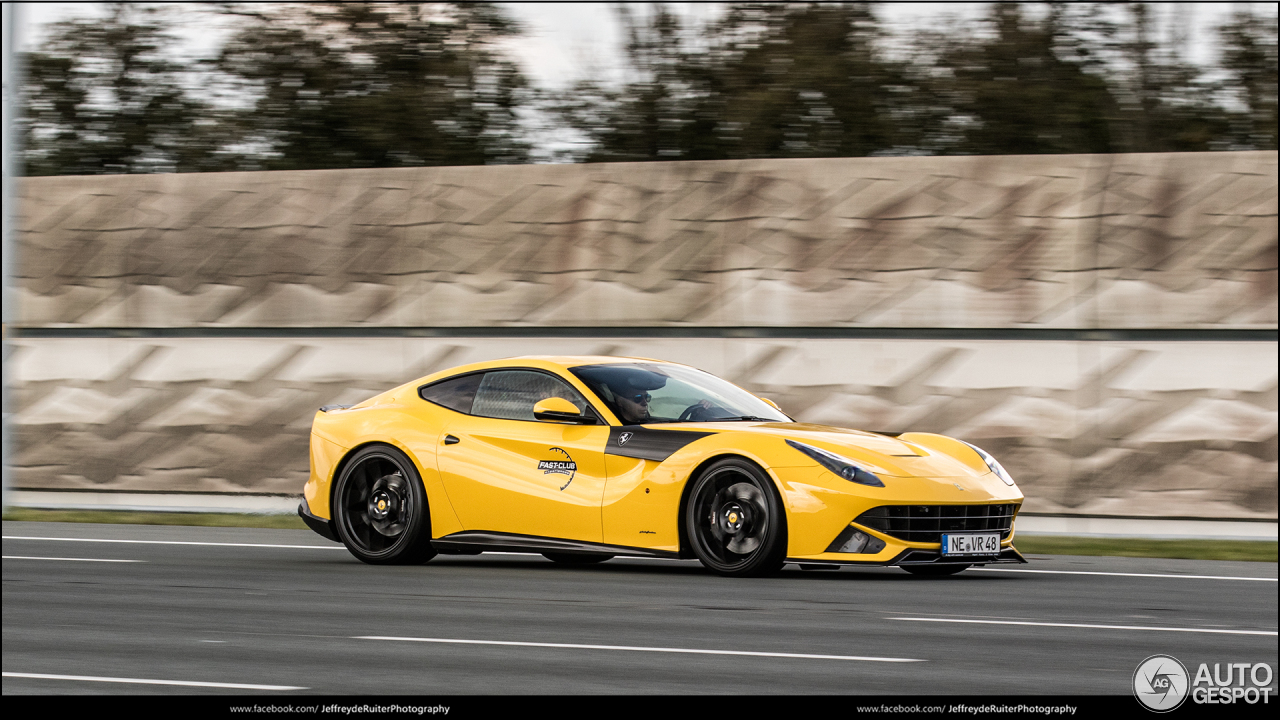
[1047, 229]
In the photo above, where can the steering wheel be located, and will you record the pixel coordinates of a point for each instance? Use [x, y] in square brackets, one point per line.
[699, 411]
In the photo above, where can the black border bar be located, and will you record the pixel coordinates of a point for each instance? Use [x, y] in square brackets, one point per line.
[703, 699]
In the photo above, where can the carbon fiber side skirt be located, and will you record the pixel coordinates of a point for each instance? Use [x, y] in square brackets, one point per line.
[471, 541]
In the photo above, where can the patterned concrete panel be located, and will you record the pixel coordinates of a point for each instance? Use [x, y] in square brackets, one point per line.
[1133, 428]
[1077, 241]
[1153, 248]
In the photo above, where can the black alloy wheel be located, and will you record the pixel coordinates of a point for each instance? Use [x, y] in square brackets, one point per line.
[576, 558]
[380, 508]
[934, 570]
[734, 520]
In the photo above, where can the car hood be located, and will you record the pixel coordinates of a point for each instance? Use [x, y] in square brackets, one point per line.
[882, 454]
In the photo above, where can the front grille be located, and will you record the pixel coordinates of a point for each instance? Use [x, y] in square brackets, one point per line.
[927, 523]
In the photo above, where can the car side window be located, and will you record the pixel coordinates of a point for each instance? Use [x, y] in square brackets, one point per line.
[511, 394]
[455, 393]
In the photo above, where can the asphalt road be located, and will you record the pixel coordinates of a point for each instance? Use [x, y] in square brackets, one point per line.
[286, 609]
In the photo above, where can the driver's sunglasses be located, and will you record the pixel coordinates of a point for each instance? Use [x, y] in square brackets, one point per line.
[641, 398]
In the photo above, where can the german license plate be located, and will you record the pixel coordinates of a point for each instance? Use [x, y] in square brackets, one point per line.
[971, 544]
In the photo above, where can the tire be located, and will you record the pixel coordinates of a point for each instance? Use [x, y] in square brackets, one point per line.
[575, 558]
[397, 532]
[935, 570]
[734, 520]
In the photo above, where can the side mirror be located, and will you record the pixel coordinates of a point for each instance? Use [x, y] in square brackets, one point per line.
[774, 404]
[560, 410]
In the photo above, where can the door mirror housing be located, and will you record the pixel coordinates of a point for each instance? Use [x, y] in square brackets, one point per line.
[774, 404]
[558, 409]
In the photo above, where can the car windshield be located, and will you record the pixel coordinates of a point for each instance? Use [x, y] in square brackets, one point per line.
[652, 392]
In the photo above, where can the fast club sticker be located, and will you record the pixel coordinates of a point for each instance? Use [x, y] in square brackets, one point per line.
[565, 466]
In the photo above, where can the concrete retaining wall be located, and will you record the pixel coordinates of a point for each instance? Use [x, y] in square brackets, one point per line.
[1003, 246]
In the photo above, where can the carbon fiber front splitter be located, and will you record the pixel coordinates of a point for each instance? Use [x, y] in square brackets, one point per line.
[924, 557]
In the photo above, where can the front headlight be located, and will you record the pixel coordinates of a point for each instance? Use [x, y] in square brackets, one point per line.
[842, 466]
[992, 463]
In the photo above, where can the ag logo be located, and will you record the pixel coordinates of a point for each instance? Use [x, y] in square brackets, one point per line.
[1161, 683]
[623, 438]
[560, 467]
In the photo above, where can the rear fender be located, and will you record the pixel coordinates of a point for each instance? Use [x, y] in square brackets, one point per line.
[443, 519]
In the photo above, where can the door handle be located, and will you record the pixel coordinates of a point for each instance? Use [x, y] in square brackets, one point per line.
[451, 440]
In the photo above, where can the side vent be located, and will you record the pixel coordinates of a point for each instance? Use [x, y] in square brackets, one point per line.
[327, 408]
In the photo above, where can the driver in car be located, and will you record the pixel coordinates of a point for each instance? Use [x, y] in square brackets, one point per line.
[631, 395]
[633, 407]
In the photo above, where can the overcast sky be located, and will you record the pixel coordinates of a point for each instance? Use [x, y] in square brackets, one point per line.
[564, 41]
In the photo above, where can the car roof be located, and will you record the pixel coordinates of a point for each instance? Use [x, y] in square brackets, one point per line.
[544, 362]
[569, 361]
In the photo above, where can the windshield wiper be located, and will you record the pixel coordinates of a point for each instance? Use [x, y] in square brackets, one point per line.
[731, 418]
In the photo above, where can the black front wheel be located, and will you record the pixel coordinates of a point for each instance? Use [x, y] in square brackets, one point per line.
[380, 508]
[734, 520]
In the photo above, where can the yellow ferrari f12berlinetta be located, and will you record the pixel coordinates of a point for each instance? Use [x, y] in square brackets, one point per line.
[583, 459]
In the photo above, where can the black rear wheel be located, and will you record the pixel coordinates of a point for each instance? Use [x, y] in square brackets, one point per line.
[934, 570]
[576, 558]
[380, 508]
[734, 520]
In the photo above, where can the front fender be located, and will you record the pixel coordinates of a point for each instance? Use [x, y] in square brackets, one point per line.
[817, 504]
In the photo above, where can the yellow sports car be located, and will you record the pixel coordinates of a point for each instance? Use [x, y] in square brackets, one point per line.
[586, 458]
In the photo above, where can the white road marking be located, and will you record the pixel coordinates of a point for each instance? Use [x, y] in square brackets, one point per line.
[340, 547]
[31, 557]
[176, 542]
[1123, 574]
[1092, 627]
[143, 681]
[531, 553]
[629, 648]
